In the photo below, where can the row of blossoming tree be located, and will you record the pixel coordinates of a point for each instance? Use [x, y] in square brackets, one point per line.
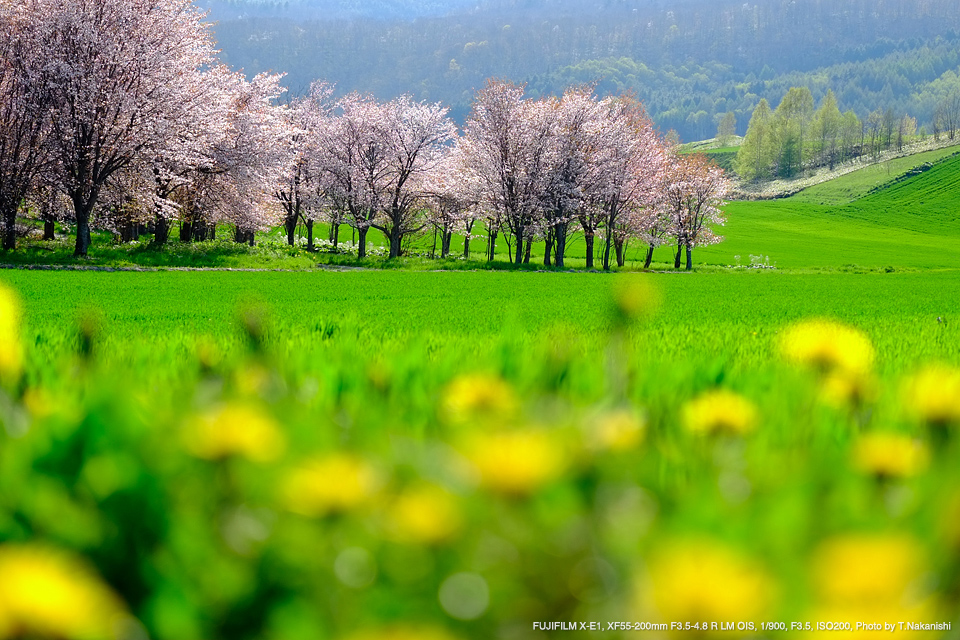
[120, 109]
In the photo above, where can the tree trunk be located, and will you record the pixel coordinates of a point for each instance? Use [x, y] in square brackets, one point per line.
[560, 248]
[362, 242]
[588, 236]
[548, 248]
[466, 241]
[445, 243]
[433, 249]
[620, 249]
[649, 259]
[310, 235]
[186, 231]
[335, 235]
[678, 257]
[239, 235]
[161, 231]
[689, 257]
[290, 224]
[9, 231]
[82, 211]
[518, 252]
[492, 245]
[395, 239]
[526, 252]
[606, 249]
[49, 230]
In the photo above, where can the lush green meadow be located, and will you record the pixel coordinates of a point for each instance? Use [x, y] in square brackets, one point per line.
[913, 224]
[411, 454]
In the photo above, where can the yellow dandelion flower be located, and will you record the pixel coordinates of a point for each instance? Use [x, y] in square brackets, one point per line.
[827, 346]
[39, 403]
[234, 430]
[427, 514]
[843, 389]
[251, 379]
[635, 296]
[516, 462]
[871, 570]
[332, 484]
[48, 593]
[890, 455]
[620, 430]
[404, 633]
[11, 349]
[933, 395]
[720, 411]
[700, 580]
[478, 397]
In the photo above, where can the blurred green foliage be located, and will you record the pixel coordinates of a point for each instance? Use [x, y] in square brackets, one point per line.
[460, 455]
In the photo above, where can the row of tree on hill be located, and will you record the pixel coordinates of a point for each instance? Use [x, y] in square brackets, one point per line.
[121, 108]
[782, 143]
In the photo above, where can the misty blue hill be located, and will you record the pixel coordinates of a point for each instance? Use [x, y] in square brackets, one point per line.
[334, 9]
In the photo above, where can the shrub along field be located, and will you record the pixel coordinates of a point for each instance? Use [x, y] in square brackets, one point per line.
[402, 455]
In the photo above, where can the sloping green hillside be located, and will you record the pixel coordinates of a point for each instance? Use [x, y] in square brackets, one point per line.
[862, 182]
[914, 223]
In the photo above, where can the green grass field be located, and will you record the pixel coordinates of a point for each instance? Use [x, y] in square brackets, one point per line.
[409, 454]
[847, 188]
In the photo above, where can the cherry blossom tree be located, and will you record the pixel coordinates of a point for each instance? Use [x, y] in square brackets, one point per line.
[630, 163]
[566, 188]
[246, 164]
[694, 192]
[23, 150]
[450, 200]
[350, 155]
[415, 135]
[507, 147]
[122, 80]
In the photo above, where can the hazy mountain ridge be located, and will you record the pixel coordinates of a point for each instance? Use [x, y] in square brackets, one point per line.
[333, 9]
[689, 61]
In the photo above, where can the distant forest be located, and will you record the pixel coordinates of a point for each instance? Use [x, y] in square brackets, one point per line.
[690, 61]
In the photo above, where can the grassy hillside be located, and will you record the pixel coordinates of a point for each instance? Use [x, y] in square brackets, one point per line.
[857, 184]
[913, 223]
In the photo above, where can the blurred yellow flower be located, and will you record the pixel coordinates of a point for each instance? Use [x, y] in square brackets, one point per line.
[404, 633]
[890, 455]
[635, 296]
[620, 430]
[47, 593]
[476, 397]
[516, 462]
[234, 430]
[720, 411]
[845, 388]
[332, 484]
[251, 379]
[828, 346]
[700, 580]
[872, 570]
[39, 403]
[872, 578]
[426, 514]
[11, 349]
[933, 395]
